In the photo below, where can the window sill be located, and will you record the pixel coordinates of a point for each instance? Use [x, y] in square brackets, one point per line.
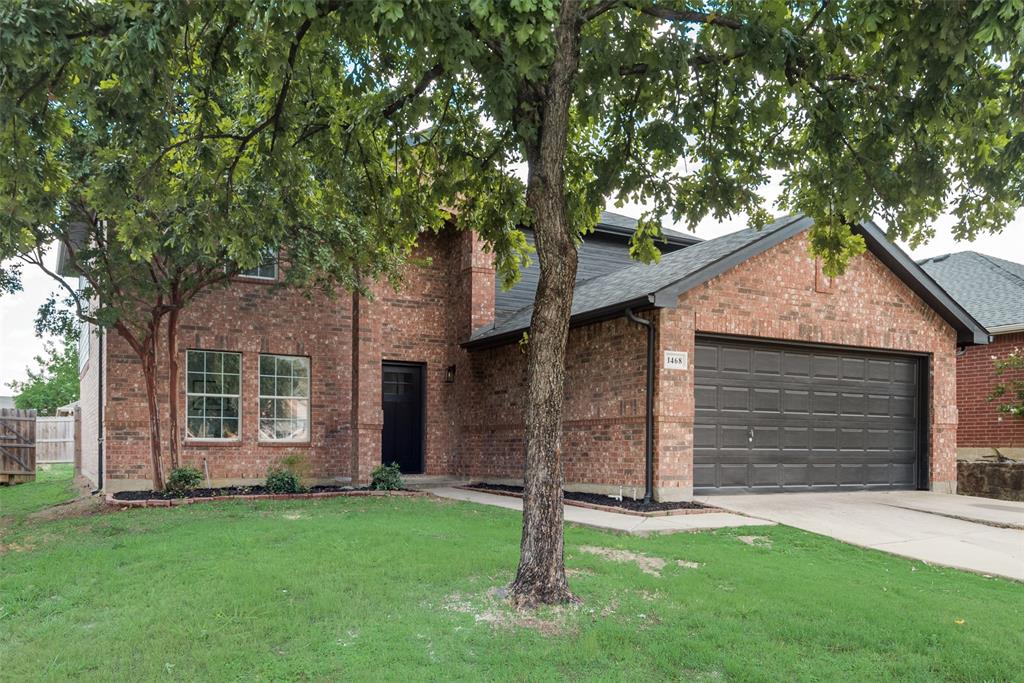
[255, 280]
[212, 443]
[283, 444]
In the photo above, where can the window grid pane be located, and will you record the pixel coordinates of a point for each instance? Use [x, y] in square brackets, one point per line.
[212, 391]
[284, 398]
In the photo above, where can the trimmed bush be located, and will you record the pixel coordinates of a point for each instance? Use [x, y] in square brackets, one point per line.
[183, 480]
[387, 478]
[283, 481]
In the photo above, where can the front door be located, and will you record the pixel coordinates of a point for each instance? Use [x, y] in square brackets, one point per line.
[402, 440]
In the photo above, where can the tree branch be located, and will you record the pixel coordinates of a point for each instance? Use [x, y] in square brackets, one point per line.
[691, 17]
[598, 9]
[431, 75]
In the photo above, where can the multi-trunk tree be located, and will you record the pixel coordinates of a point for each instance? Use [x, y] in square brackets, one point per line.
[395, 113]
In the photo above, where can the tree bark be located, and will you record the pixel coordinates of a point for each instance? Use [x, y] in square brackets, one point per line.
[149, 373]
[172, 388]
[540, 578]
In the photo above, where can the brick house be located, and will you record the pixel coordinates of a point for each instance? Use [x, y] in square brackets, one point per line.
[766, 375]
[992, 290]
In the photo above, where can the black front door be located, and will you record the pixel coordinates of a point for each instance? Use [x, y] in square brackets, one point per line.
[403, 417]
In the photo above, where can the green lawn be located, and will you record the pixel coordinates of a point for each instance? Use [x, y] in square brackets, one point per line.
[52, 486]
[398, 589]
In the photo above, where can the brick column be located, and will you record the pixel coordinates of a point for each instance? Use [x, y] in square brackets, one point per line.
[367, 411]
[942, 430]
[673, 407]
[477, 274]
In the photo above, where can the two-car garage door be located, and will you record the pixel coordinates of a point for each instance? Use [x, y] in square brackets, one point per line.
[773, 417]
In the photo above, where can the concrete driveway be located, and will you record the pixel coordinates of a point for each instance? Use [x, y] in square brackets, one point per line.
[976, 534]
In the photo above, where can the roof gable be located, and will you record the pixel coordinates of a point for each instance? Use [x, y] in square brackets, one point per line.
[660, 285]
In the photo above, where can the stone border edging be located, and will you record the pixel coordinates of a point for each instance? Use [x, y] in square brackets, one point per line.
[606, 508]
[175, 502]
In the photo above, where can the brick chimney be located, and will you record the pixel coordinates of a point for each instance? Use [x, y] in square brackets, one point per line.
[477, 276]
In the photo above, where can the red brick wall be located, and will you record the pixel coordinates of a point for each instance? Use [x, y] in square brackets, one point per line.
[773, 296]
[251, 318]
[603, 422]
[981, 426]
[346, 340]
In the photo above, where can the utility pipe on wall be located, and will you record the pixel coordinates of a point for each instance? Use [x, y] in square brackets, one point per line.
[649, 426]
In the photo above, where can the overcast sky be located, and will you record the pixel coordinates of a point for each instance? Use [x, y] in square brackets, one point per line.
[18, 343]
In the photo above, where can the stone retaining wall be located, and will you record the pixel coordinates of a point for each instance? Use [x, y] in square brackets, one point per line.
[1003, 480]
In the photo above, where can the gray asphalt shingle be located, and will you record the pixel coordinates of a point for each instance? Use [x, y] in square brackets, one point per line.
[990, 288]
[640, 280]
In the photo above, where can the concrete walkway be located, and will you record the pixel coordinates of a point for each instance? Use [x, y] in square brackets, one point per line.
[613, 521]
[976, 534]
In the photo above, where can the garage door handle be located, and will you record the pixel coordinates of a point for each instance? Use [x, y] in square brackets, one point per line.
[751, 437]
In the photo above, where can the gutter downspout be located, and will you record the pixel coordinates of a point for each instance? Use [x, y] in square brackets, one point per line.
[99, 411]
[649, 426]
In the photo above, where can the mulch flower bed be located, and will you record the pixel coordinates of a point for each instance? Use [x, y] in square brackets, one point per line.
[599, 501]
[165, 499]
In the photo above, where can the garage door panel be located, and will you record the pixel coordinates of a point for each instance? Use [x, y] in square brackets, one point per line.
[734, 398]
[704, 436]
[705, 397]
[825, 402]
[767, 400]
[852, 440]
[734, 360]
[824, 367]
[733, 436]
[853, 368]
[770, 417]
[732, 475]
[767, 362]
[764, 475]
[853, 405]
[796, 401]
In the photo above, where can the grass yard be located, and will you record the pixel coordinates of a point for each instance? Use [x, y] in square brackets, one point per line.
[397, 588]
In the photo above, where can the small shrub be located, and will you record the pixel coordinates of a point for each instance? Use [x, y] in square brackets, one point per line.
[283, 481]
[296, 464]
[183, 480]
[387, 478]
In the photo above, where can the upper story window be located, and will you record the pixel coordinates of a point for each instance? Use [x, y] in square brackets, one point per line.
[284, 398]
[213, 388]
[84, 339]
[266, 270]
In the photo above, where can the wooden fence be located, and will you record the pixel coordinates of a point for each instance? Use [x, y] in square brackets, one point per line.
[55, 439]
[17, 445]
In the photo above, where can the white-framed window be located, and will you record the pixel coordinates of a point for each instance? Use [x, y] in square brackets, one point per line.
[284, 398]
[213, 387]
[266, 270]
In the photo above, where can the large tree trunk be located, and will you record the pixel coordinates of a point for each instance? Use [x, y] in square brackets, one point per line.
[540, 578]
[172, 388]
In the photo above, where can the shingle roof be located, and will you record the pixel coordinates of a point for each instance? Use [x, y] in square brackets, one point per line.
[627, 225]
[639, 283]
[659, 285]
[990, 288]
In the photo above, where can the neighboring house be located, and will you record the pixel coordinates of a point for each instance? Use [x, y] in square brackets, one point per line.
[767, 376]
[992, 290]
